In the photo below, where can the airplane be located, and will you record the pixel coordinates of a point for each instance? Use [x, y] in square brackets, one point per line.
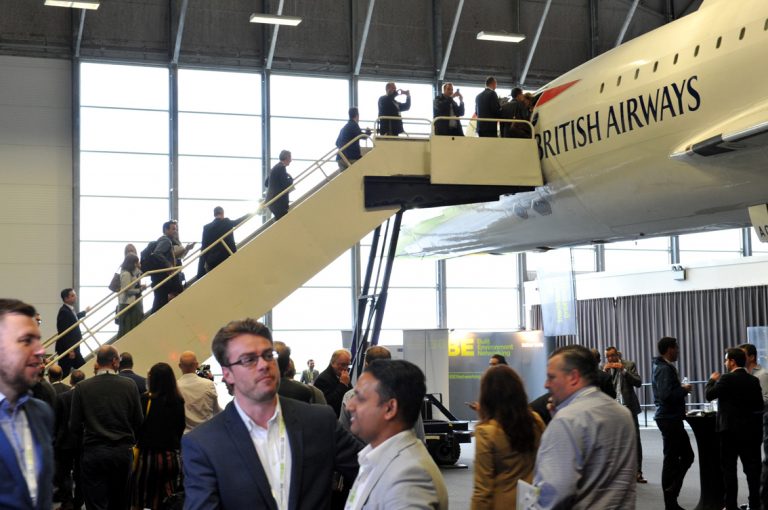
[665, 134]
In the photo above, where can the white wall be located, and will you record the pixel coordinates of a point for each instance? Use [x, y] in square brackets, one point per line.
[746, 272]
[36, 183]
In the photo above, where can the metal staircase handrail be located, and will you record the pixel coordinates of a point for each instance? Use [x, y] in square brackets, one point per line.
[90, 332]
[483, 119]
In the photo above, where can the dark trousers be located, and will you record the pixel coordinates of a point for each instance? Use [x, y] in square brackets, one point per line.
[745, 446]
[62, 477]
[160, 293]
[639, 444]
[105, 474]
[764, 475]
[68, 364]
[678, 457]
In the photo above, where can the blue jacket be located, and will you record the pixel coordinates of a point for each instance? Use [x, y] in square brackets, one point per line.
[668, 393]
[13, 487]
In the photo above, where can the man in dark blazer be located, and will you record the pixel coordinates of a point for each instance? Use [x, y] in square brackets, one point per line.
[389, 107]
[289, 388]
[55, 376]
[739, 425]
[444, 105]
[22, 485]
[212, 232]
[278, 180]
[125, 369]
[334, 381]
[487, 107]
[66, 318]
[625, 379]
[263, 451]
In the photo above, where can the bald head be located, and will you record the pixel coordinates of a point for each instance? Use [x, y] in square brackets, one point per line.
[188, 362]
[55, 374]
[107, 357]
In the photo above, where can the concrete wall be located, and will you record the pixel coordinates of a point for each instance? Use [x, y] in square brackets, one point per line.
[36, 183]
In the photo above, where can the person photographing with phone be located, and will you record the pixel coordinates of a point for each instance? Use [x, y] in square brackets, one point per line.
[390, 107]
[445, 105]
[334, 381]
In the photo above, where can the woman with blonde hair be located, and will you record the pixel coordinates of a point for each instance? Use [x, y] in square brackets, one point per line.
[506, 439]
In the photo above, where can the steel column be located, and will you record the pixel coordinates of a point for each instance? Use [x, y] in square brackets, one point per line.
[627, 21]
[364, 39]
[449, 48]
[273, 42]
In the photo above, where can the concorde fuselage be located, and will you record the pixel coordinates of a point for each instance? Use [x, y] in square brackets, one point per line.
[606, 132]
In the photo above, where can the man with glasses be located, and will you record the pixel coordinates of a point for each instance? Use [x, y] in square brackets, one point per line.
[262, 451]
[26, 424]
[334, 381]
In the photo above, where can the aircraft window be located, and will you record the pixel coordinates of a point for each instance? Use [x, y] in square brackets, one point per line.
[655, 66]
[677, 55]
[765, 27]
[637, 72]
[696, 51]
[719, 41]
[618, 81]
[602, 87]
[741, 34]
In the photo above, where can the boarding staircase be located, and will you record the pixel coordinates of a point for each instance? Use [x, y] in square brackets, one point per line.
[336, 210]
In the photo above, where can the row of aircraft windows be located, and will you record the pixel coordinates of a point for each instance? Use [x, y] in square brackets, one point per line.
[696, 50]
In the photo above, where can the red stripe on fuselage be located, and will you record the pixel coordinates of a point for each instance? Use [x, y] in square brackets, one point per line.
[552, 93]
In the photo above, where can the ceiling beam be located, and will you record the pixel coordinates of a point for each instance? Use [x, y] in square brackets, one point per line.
[273, 42]
[364, 38]
[627, 21]
[179, 32]
[535, 43]
[448, 48]
[79, 39]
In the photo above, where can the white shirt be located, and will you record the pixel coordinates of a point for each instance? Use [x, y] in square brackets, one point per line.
[368, 457]
[201, 401]
[274, 452]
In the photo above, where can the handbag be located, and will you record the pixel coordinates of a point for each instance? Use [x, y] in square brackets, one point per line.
[114, 285]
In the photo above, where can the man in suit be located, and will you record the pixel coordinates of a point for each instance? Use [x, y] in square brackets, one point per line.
[212, 232]
[487, 107]
[389, 107]
[309, 375]
[106, 413]
[125, 369]
[55, 376]
[279, 180]
[67, 318]
[445, 106]
[263, 451]
[739, 425]
[396, 470]
[334, 381]
[26, 424]
[625, 379]
[289, 388]
[66, 449]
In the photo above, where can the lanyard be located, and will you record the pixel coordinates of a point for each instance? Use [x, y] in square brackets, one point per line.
[281, 452]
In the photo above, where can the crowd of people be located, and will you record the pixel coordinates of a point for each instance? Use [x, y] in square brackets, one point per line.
[118, 440]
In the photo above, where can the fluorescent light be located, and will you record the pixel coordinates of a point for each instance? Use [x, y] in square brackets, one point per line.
[500, 37]
[272, 19]
[74, 4]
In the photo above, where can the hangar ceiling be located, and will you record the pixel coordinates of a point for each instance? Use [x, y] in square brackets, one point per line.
[407, 38]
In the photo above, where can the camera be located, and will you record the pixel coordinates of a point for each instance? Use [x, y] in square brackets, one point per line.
[204, 371]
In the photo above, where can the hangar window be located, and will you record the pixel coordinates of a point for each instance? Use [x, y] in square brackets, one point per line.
[637, 73]
[655, 66]
[618, 81]
[742, 33]
[719, 42]
[677, 55]
[696, 51]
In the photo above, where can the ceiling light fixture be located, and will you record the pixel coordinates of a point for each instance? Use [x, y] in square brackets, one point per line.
[74, 4]
[272, 19]
[500, 37]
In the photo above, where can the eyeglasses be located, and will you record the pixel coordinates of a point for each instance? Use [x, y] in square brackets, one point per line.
[251, 359]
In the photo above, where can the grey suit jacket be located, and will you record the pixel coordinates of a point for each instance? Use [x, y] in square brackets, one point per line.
[632, 380]
[405, 477]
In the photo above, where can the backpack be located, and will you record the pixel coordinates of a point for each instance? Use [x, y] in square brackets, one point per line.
[148, 261]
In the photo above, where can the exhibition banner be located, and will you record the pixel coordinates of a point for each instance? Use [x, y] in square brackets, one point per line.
[557, 293]
[469, 355]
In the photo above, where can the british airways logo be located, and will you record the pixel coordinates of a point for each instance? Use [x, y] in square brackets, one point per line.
[633, 113]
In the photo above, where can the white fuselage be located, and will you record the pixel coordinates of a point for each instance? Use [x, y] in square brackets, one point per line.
[605, 142]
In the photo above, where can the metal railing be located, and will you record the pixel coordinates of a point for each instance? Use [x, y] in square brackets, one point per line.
[648, 397]
[423, 129]
[472, 122]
